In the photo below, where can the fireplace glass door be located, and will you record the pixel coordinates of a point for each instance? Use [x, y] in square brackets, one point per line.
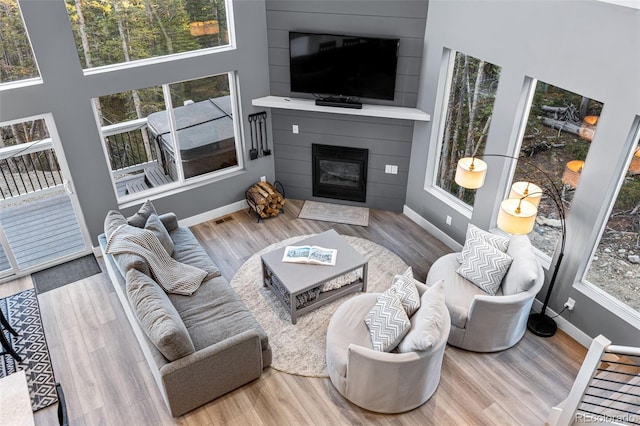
[340, 172]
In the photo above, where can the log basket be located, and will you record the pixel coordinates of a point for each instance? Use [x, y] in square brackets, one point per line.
[265, 199]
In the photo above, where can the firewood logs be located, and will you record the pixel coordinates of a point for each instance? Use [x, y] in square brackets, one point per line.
[265, 199]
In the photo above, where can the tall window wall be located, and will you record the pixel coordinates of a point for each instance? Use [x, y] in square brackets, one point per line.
[108, 33]
[615, 265]
[472, 87]
[160, 135]
[16, 57]
[555, 142]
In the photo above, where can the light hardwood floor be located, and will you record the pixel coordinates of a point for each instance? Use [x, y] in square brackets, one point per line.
[106, 379]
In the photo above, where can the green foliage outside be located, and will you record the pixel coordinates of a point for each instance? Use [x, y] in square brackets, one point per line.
[471, 98]
[16, 57]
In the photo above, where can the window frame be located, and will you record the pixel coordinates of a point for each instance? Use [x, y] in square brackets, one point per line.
[171, 57]
[582, 284]
[182, 183]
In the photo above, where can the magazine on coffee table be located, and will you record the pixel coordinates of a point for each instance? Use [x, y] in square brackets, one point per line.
[310, 254]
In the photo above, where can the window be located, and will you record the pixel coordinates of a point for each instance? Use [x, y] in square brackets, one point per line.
[472, 92]
[16, 60]
[615, 265]
[160, 135]
[114, 32]
[554, 145]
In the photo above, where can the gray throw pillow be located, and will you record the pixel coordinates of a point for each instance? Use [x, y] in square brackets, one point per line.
[474, 233]
[524, 270]
[426, 323]
[485, 266]
[387, 322]
[155, 225]
[139, 219]
[113, 221]
[157, 316]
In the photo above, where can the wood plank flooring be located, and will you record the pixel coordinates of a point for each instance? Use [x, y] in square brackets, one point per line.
[106, 379]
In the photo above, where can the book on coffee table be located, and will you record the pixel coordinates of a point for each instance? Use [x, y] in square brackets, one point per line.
[310, 254]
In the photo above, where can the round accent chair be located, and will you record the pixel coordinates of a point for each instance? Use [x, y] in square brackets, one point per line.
[384, 382]
[481, 322]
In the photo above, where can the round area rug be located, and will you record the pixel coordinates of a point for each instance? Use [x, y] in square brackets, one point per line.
[300, 348]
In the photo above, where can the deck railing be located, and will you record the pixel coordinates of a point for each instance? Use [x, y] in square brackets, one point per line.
[606, 390]
[27, 168]
[33, 166]
[129, 146]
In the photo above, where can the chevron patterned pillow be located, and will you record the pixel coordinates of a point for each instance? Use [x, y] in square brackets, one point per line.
[387, 322]
[485, 266]
[474, 234]
[407, 292]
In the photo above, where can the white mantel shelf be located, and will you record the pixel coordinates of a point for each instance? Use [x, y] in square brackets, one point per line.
[401, 113]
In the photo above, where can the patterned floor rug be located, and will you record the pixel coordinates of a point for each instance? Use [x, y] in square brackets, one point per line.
[23, 314]
[338, 213]
[300, 348]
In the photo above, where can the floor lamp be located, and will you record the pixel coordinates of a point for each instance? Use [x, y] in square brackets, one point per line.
[517, 216]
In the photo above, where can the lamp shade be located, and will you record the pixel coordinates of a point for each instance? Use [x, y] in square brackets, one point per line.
[528, 190]
[471, 172]
[634, 167]
[571, 174]
[517, 216]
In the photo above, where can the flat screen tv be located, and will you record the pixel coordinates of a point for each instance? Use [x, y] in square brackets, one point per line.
[343, 65]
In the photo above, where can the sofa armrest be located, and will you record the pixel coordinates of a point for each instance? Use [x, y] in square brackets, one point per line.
[196, 379]
[169, 220]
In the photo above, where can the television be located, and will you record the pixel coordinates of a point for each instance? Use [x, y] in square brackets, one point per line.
[345, 67]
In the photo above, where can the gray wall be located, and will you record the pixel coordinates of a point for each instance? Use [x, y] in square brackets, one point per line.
[388, 141]
[587, 47]
[66, 93]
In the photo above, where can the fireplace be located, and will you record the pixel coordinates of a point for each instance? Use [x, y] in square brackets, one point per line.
[340, 172]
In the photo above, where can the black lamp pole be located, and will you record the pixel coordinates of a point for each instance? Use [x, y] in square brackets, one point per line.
[540, 323]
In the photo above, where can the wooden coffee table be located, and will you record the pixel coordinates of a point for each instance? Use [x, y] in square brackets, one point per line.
[288, 280]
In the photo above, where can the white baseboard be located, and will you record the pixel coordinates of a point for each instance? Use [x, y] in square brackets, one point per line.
[431, 228]
[574, 332]
[213, 214]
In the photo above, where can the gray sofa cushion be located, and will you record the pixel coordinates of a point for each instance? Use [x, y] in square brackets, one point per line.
[188, 250]
[155, 225]
[427, 322]
[215, 313]
[523, 273]
[139, 219]
[157, 316]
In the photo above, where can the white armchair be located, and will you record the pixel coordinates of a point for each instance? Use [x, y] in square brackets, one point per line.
[379, 381]
[484, 323]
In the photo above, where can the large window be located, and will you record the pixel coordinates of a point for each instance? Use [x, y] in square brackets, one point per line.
[555, 143]
[615, 266]
[16, 57]
[472, 91]
[112, 32]
[160, 135]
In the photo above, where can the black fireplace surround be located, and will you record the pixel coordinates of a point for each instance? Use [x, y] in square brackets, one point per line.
[340, 172]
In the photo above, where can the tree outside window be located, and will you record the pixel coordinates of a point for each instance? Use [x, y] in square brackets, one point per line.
[472, 93]
[615, 266]
[110, 32]
[16, 56]
[557, 137]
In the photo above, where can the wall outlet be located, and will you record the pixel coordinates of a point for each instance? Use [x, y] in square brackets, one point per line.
[448, 220]
[295, 129]
[570, 304]
[263, 178]
[390, 169]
